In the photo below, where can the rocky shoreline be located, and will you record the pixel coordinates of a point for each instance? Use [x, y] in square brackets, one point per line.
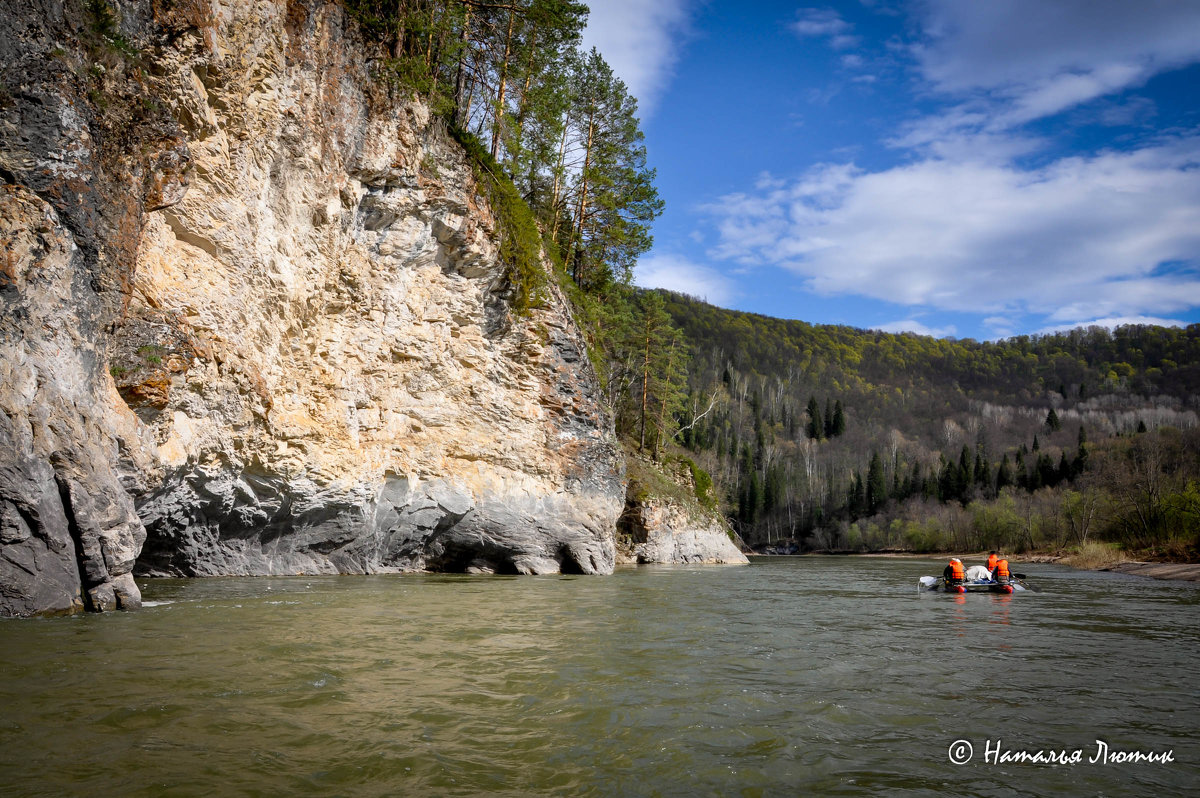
[1184, 572]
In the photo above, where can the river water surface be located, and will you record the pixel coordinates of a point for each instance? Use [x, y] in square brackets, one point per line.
[809, 675]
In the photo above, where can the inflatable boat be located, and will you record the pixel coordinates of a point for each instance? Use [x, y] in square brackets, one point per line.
[936, 583]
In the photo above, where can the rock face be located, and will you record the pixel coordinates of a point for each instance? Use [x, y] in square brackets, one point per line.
[663, 530]
[670, 527]
[265, 330]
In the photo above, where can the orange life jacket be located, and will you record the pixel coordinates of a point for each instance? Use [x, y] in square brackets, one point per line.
[1001, 574]
[956, 571]
[992, 559]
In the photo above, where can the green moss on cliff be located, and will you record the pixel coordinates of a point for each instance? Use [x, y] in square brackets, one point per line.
[520, 240]
[702, 483]
[669, 479]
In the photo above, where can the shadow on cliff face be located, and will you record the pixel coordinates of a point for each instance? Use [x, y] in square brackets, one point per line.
[460, 558]
[218, 521]
[468, 559]
[631, 524]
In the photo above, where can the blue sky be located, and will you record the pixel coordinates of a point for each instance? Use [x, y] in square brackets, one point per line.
[947, 167]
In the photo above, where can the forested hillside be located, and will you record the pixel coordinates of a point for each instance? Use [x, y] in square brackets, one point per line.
[833, 437]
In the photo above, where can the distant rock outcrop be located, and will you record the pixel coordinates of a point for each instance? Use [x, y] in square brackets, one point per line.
[666, 524]
[254, 321]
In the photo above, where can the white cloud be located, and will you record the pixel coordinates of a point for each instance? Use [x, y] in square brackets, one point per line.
[963, 134]
[819, 22]
[679, 274]
[824, 22]
[1002, 44]
[1000, 326]
[641, 42]
[1066, 90]
[1008, 63]
[1079, 238]
[1115, 321]
[1134, 111]
[1037, 58]
[914, 326]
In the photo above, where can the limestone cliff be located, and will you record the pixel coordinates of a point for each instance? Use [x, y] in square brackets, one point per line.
[255, 322]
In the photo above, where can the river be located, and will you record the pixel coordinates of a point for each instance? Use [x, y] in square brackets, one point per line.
[805, 675]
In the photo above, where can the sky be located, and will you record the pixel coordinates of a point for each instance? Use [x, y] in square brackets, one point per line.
[945, 167]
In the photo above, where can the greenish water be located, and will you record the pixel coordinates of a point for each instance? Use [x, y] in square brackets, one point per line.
[827, 676]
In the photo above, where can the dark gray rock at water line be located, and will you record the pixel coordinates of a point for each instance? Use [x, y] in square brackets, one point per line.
[38, 570]
[259, 524]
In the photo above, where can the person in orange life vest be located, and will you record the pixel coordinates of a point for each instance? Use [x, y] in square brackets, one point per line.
[954, 573]
[1001, 574]
[993, 558]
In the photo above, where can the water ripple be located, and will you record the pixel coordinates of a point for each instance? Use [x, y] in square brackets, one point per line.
[828, 676]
